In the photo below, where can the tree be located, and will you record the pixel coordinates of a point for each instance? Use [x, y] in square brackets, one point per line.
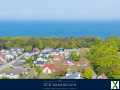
[114, 72]
[104, 56]
[88, 73]
[38, 70]
[75, 56]
[29, 61]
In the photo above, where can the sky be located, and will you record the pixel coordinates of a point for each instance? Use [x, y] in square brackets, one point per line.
[59, 9]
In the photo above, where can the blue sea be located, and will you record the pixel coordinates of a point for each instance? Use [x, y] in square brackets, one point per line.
[60, 28]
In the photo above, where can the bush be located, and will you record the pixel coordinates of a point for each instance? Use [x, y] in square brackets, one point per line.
[88, 73]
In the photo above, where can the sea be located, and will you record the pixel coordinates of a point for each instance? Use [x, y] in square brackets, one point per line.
[100, 29]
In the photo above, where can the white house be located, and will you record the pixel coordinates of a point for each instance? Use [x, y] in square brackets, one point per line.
[73, 75]
[9, 57]
[10, 76]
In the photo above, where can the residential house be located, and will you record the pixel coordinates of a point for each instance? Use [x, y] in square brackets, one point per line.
[67, 53]
[48, 68]
[44, 55]
[83, 63]
[36, 51]
[54, 68]
[10, 76]
[94, 76]
[27, 55]
[102, 76]
[73, 75]
[9, 57]
[13, 73]
[47, 50]
[58, 59]
[69, 63]
[2, 59]
[40, 61]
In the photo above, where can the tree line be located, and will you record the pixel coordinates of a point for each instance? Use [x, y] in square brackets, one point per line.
[41, 43]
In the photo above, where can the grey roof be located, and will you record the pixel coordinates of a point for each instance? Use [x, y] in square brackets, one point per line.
[73, 75]
[40, 62]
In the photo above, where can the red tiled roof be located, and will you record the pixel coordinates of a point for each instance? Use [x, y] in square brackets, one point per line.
[51, 66]
[55, 67]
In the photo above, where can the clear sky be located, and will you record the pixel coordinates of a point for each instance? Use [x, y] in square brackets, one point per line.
[59, 9]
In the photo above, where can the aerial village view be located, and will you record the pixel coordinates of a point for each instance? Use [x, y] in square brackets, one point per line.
[60, 39]
[59, 58]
